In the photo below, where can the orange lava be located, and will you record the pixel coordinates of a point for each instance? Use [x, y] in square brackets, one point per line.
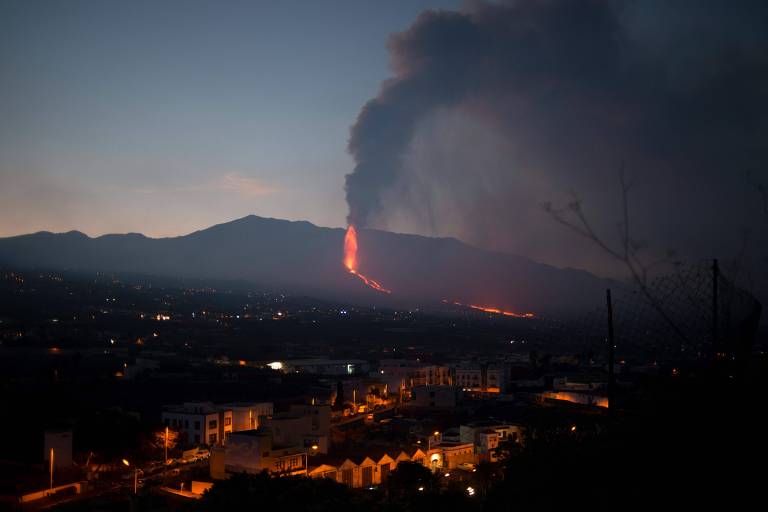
[350, 260]
[494, 310]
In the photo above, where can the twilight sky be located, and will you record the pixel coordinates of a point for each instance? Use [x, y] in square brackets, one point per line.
[441, 118]
[164, 117]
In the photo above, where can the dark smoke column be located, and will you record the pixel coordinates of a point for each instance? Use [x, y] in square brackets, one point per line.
[446, 57]
[422, 82]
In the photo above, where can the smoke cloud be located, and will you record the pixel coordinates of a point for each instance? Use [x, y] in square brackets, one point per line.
[499, 107]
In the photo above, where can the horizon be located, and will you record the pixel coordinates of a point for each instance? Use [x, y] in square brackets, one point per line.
[215, 114]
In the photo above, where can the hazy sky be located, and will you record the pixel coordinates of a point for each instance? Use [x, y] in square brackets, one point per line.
[164, 117]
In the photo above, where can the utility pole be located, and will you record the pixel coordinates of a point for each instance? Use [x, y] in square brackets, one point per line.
[50, 487]
[166, 445]
[611, 345]
[715, 279]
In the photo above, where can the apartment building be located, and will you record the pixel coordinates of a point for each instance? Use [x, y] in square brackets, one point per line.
[206, 423]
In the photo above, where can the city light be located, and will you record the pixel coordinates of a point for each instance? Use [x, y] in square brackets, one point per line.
[471, 491]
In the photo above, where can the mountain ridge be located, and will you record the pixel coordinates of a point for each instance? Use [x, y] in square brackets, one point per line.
[300, 257]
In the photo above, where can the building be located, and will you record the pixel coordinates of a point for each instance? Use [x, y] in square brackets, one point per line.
[60, 443]
[198, 422]
[254, 451]
[363, 470]
[434, 396]
[480, 378]
[405, 374]
[322, 366]
[302, 425]
[448, 455]
[208, 424]
[245, 416]
[488, 435]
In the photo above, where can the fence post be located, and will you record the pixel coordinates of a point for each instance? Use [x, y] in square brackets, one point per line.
[611, 345]
[715, 279]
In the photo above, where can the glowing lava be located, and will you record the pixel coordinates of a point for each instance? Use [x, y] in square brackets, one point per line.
[350, 260]
[496, 311]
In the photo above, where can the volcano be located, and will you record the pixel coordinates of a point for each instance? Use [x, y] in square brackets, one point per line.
[301, 258]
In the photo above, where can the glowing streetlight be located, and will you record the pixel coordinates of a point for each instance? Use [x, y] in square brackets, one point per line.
[429, 439]
[51, 471]
[135, 476]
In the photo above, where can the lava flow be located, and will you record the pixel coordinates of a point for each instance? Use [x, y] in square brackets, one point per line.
[350, 260]
[496, 311]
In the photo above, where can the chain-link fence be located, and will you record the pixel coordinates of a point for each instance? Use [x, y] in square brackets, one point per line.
[672, 317]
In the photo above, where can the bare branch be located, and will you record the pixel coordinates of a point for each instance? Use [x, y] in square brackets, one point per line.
[628, 254]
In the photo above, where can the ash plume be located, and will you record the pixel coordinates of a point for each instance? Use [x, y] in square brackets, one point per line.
[501, 106]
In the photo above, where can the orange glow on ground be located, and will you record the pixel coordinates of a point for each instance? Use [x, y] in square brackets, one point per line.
[350, 260]
[494, 310]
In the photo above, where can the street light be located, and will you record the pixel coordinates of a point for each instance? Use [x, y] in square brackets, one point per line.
[51, 471]
[135, 476]
[429, 439]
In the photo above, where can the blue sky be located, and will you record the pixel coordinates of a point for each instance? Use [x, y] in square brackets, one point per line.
[169, 116]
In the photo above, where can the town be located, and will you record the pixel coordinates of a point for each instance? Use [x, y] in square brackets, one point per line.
[176, 389]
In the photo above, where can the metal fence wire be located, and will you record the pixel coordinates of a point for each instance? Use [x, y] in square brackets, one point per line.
[673, 316]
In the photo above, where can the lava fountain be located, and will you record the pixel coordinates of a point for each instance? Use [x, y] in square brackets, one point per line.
[350, 260]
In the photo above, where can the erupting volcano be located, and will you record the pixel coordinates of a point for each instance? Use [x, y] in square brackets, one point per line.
[350, 260]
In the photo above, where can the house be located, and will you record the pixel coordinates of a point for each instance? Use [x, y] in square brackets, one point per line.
[254, 451]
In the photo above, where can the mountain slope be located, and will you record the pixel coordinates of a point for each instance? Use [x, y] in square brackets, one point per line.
[299, 257]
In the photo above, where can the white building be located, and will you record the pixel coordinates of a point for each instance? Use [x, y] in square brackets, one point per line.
[245, 416]
[488, 434]
[480, 378]
[406, 374]
[322, 366]
[205, 423]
